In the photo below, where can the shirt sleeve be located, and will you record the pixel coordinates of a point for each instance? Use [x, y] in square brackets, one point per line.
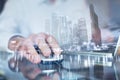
[10, 22]
[8, 28]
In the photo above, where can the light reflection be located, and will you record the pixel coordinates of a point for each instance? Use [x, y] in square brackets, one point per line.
[85, 60]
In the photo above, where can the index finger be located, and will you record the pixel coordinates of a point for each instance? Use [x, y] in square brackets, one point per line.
[53, 44]
[40, 40]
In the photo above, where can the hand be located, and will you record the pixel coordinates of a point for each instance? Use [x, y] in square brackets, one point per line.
[25, 46]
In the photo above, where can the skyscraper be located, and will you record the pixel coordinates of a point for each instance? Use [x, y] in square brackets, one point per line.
[96, 32]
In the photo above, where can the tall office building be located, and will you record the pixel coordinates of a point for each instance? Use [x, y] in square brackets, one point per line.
[80, 31]
[59, 28]
[96, 32]
[63, 29]
[48, 26]
[54, 25]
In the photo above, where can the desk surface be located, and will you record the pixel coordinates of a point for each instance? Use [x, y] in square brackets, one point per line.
[73, 67]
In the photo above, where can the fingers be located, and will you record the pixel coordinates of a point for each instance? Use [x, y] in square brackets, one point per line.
[53, 44]
[27, 50]
[46, 43]
[33, 58]
[32, 54]
[40, 40]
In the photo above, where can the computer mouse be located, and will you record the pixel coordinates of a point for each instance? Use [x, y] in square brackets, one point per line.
[51, 59]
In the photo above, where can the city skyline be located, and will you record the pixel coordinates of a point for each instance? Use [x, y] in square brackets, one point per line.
[66, 31]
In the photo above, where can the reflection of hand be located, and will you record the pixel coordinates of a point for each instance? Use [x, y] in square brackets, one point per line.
[33, 71]
[45, 42]
[28, 69]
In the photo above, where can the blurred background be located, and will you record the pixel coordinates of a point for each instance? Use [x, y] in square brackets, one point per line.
[76, 24]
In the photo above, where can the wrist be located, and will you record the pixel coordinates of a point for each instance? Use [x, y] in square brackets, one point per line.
[14, 41]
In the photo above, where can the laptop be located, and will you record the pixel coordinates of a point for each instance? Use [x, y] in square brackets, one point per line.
[117, 49]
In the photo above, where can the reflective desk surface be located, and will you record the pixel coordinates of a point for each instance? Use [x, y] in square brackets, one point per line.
[75, 66]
